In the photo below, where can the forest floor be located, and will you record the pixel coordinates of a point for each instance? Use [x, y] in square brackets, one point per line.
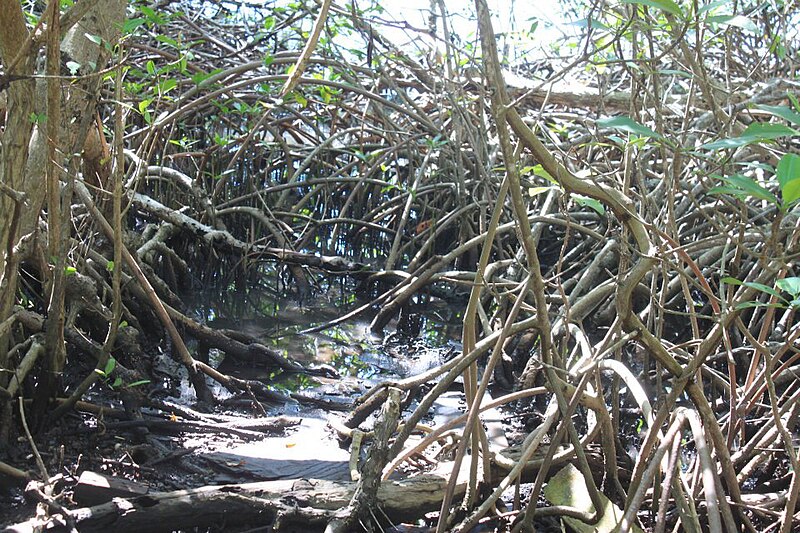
[179, 444]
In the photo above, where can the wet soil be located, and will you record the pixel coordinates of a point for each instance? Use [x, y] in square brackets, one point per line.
[172, 443]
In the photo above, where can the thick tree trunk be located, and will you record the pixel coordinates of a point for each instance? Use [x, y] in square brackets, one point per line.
[292, 505]
[13, 156]
[23, 147]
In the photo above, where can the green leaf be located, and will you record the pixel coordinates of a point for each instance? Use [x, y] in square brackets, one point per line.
[151, 67]
[738, 21]
[664, 5]
[754, 133]
[94, 38]
[763, 288]
[793, 283]
[733, 191]
[788, 173]
[585, 201]
[300, 99]
[535, 191]
[39, 118]
[152, 16]
[117, 383]
[144, 104]
[782, 111]
[110, 266]
[167, 85]
[200, 77]
[731, 281]
[744, 187]
[110, 365]
[627, 125]
[70, 271]
[751, 304]
[538, 170]
[790, 285]
[169, 41]
[711, 6]
[138, 383]
[131, 25]
[793, 99]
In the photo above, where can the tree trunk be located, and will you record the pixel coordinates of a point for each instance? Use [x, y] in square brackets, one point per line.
[291, 505]
[24, 147]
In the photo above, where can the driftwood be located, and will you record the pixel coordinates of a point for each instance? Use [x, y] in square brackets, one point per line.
[290, 505]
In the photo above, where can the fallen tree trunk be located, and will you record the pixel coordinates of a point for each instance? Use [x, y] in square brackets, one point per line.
[286, 504]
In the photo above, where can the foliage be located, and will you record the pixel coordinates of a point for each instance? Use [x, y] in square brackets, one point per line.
[657, 142]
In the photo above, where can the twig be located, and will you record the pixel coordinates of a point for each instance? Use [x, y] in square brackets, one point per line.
[39, 462]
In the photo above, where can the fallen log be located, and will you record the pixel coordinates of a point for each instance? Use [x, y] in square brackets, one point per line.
[288, 505]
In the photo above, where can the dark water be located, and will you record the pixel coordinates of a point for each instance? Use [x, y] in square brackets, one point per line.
[412, 343]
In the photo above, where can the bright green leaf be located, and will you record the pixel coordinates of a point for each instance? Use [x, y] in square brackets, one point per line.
[763, 288]
[110, 365]
[585, 201]
[744, 187]
[166, 86]
[151, 15]
[131, 25]
[300, 99]
[788, 173]
[534, 191]
[144, 104]
[790, 285]
[39, 118]
[536, 170]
